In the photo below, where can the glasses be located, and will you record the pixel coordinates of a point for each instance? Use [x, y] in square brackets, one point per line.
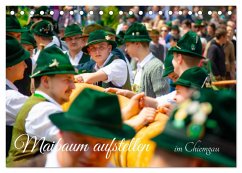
[163, 30]
[95, 49]
[72, 38]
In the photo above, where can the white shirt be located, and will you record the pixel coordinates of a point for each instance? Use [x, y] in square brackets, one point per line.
[166, 98]
[75, 61]
[51, 160]
[38, 123]
[14, 102]
[116, 71]
[35, 57]
[140, 67]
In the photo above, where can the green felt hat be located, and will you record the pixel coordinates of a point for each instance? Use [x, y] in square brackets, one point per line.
[208, 120]
[189, 44]
[90, 28]
[28, 38]
[52, 61]
[175, 27]
[46, 15]
[109, 30]
[15, 52]
[194, 77]
[130, 16]
[13, 25]
[169, 68]
[199, 22]
[137, 32]
[43, 28]
[72, 30]
[98, 36]
[100, 118]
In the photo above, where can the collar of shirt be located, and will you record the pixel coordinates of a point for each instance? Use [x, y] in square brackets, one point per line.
[50, 44]
[11, 85]
[51, 160]
[76, 59]
[106, 61]
[141, 64]
[48, 98]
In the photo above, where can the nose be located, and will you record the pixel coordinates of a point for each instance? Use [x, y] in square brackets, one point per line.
[72, 85]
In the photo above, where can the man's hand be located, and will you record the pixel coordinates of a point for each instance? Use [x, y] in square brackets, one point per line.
[126, 93]
[134, 106]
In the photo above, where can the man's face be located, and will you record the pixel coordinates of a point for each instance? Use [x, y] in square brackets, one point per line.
[182, 93]
[75, 43]
[81, 158]
[29, 48]
[175, 62]
[16, 35]
[223, 39]
[99, 52]
[131, 49]
[18, 70]
[60, 87]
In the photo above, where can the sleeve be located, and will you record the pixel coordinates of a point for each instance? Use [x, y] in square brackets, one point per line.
[14, 102]
[160, 84]
[212, 56]
[117, 72]
[38, 123]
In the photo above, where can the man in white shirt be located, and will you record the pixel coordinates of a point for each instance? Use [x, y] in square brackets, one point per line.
[15, 66]
[111, 71]
[75, 43]
[54, 82]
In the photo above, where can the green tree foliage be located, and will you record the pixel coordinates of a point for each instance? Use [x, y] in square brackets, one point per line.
[110, 20]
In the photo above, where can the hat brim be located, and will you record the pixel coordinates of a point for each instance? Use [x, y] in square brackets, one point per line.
[185, 83]
[36, 74]
[73, 125]
[25, 56]
[28, 42]
[186, 52]
[113, 43]
[17, 30]
[71, 34]
[167, 71]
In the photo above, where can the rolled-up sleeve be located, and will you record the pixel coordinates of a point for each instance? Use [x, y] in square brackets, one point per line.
[117, 72]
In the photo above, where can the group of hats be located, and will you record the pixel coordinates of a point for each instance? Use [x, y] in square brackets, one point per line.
[208, 120]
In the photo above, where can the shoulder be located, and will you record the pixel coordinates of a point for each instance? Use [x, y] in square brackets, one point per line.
[13, 95]
[154, 63]
[45, 108]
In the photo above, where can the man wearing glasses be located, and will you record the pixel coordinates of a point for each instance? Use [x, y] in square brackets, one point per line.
[110, 70]
[75, 43]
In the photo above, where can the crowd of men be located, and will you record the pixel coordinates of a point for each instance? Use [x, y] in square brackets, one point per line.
[160, 66]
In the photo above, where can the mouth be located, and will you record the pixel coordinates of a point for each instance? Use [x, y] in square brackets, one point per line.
[84, 164]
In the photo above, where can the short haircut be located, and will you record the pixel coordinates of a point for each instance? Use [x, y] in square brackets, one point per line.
[213, 26]
[220, 32]
[145, 44]
[187, 22]
[37, 80]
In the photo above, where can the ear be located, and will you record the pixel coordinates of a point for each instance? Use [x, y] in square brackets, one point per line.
[109, 48]
[45, 81]
[179, 59]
